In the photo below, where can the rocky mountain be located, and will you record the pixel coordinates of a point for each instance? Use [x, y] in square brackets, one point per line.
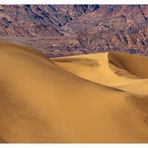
[38, 20]
[59, 30]
[113, 28]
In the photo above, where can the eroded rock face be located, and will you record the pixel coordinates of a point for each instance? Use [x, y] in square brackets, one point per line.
[38, 20]
[58, 30]
[113, 27]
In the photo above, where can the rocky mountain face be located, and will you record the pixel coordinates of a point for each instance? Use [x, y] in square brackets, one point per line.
[38, 20]
[59, 30]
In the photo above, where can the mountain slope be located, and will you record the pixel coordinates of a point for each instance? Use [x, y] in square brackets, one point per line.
[38, 20]
[60, 30]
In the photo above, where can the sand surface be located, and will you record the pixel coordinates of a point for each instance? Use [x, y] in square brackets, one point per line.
[87, 98]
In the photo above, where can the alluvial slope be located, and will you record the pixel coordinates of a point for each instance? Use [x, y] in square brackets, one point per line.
[41, 102]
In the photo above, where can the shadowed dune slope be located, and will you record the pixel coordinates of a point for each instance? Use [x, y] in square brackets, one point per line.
[42, 102]
[137, 65]
[2, 140]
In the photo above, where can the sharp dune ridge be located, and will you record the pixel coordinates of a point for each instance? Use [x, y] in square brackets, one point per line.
[70, 99]
[110, 69]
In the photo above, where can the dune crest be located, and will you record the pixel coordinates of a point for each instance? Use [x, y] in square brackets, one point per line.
[109, 73]
[42, 101]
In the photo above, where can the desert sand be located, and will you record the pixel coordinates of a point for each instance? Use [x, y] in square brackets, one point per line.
[88, 98]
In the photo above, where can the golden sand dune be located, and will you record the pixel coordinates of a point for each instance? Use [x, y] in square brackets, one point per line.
[40, 101]
[137, 65]
[110, 69]
[96, 68]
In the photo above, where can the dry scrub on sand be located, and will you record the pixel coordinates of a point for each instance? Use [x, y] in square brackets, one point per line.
[71, 99]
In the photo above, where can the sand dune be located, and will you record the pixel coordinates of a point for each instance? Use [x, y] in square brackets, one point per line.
[71, 99]
[137, 65]
[2, 140]
[117, 70]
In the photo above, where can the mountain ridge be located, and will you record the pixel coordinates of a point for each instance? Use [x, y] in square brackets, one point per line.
[60, 30]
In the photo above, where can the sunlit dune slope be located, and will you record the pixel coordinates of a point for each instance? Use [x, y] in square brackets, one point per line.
[42, 102]
[108, 69]
[96, 68]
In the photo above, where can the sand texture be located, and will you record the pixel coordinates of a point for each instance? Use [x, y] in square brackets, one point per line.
[87, 98]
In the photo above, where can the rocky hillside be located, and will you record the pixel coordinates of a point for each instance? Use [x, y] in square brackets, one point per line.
[59, 30]
[38, 20]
